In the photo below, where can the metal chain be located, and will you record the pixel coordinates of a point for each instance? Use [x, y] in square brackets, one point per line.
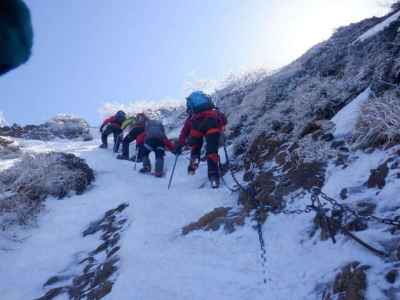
[316, 206]
[263, 253]
[338, 206]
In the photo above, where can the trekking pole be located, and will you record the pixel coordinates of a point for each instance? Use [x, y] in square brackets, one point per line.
[136, 157]
[173, 171]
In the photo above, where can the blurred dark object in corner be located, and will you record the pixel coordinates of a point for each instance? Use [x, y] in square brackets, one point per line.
[16, 34]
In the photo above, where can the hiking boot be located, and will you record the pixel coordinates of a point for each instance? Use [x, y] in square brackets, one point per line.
[159, 166]
[146, 165]
[214, 182]
[103, 146]
[145, 170]
[193, 165]
[122, 157]
[158, 174]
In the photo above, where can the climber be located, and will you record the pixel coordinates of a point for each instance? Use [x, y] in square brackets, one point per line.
[135, 125]
[126, 125]
[153, 139]
[204, 121]
[112, 125]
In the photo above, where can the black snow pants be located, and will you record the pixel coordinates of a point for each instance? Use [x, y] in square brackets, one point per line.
[153, 145]
[131, 136]
[110, 129]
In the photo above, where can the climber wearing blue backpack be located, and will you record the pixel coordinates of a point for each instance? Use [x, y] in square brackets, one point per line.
[204, 122]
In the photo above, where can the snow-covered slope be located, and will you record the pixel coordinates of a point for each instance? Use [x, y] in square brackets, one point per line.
[346, 119]
[156, 261]
[153, 260]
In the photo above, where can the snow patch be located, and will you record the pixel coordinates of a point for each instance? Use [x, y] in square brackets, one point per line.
[378, 28]
[345, 120]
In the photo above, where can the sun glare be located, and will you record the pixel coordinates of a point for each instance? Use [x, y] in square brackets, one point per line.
[291, 27]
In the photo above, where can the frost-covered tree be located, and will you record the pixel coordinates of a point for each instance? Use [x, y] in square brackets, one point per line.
[379, 122]
[395, 6]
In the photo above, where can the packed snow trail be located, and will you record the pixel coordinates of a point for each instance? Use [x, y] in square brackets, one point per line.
[157, 262]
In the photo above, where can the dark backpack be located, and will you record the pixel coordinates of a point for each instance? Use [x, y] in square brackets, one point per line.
[154, 130]
[198, 102]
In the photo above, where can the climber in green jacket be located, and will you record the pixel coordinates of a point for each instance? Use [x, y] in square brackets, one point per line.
[135, 125]
[126, 124]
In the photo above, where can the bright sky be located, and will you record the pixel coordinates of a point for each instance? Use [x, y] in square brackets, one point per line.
[87, 52]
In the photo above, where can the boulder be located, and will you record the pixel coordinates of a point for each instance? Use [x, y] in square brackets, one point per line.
[25, 186]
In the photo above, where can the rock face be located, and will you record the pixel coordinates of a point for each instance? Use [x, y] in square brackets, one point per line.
[280, 126]
[350, 283]
[224, 217]
[25, 186]
[62, 126]
[282, 136]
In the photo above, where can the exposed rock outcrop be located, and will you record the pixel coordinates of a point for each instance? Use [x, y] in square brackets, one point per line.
[62, 126]
[221, 217]
[350, 283]
[25, 186]
[95, 272]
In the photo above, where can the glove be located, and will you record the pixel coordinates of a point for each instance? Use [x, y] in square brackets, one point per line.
[178, 150]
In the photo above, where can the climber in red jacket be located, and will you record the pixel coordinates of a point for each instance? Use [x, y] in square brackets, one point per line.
[112, 125]
[204, 121]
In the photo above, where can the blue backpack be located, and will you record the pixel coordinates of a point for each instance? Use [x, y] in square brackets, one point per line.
[198, 102]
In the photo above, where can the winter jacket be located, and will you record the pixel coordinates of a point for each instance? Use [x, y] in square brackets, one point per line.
[113, 121]
[128, 122]
[187, 126]
[214, 114]
[167, 142]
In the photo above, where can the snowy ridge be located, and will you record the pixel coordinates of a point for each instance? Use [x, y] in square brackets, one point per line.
[378, 28]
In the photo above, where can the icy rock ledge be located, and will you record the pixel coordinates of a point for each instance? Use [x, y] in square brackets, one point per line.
[25, 186]
[61, 126]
